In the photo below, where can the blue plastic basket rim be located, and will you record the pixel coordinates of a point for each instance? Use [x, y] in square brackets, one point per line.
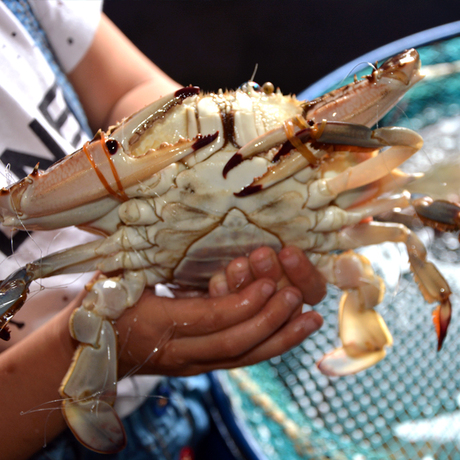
[379, 54]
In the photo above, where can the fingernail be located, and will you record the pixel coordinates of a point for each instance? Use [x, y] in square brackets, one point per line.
[219, 285]
[239, 272]
[291, 298]
[268, 289]
[317, 320]
[261, 262]
[309, 323]
[291, 260]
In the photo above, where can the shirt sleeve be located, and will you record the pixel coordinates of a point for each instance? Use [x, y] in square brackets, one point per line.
[70, 27]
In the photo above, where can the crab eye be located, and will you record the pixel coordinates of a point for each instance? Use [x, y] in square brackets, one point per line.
[112, 146]
[268, 88]
[250, 86]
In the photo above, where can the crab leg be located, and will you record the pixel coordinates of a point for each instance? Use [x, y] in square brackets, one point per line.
[14, 289]
[90, 385]
[396, 180]
[380, 205]
[439, 214]
[431, 283]
[366, 101]
[305, 156]
[325, 133]
[404, 144]
[103, 168]
[362, 330]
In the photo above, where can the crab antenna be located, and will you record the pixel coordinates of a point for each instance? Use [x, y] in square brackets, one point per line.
[254, 73]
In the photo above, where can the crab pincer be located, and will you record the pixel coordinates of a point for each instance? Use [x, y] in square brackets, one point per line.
[13, 294]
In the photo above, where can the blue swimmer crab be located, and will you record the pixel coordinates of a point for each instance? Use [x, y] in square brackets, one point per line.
[194, 180]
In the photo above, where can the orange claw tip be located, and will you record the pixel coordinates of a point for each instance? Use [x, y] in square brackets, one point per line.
[441, 319]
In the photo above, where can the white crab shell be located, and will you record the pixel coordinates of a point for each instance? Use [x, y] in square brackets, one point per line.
[187, 216]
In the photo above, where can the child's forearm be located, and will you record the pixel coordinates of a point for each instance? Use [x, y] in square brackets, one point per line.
[114, 79]
[30, 375]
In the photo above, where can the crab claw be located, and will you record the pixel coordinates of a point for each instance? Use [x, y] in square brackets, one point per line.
[14, 289]
[441, 319]
[92, 181]
[383, 88]
[13, 294]
[404, 143]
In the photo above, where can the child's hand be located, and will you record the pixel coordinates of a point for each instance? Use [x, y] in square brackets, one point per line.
[249, 321]
[289, 268]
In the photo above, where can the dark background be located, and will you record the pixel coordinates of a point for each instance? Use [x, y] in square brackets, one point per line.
[216, 44]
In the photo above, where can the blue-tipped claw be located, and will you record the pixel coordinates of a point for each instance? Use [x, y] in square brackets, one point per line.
[13, 294]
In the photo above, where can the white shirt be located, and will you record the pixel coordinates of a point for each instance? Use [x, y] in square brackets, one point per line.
[38, 126]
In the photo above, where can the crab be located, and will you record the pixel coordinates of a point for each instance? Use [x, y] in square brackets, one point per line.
[194, 180]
